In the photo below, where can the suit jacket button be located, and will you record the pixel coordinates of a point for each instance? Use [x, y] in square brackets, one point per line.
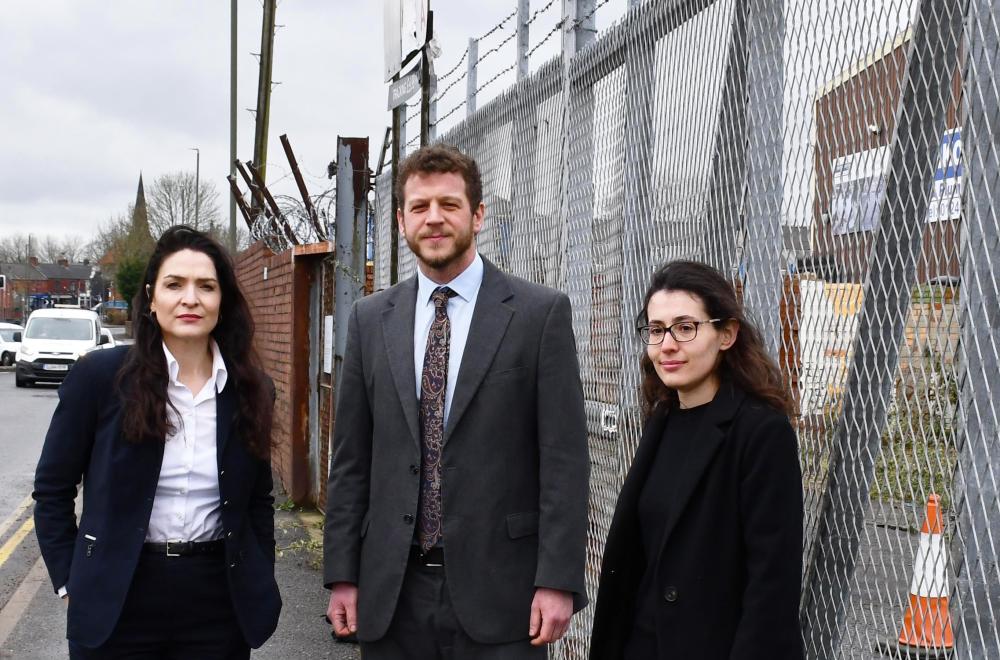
[670, 595]
[408, 518]
[414, 469]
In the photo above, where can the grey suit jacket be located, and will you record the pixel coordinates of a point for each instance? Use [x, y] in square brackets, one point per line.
[515, 460]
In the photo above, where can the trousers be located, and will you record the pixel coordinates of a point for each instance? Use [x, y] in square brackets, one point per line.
[177, 608]
[424, 626]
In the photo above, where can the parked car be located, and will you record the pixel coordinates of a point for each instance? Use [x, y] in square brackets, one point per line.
[8, 347]
[111, 343]
[52, 341]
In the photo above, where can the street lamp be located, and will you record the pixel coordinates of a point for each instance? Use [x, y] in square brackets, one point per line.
[197, 184]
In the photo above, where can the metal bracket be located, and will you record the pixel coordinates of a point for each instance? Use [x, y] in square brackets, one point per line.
[609, 420]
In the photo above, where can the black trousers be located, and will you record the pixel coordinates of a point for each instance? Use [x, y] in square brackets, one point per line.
[424, 626]
[177, 608]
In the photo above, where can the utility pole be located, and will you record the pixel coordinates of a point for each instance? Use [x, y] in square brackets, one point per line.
[264, 93]
[398, 118]
[232, 123]
[197, 186]
[425, 86]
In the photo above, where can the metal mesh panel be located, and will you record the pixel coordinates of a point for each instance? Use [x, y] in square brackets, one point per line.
[839, 160]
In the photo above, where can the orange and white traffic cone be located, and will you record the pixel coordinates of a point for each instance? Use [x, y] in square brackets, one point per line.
[927, 631]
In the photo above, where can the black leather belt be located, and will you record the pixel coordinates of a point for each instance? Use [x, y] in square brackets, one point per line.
[185, 548]
[433, 557]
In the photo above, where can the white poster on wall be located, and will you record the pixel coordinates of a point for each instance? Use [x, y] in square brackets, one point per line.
[946, 191]
[858, 189]
[328, 344]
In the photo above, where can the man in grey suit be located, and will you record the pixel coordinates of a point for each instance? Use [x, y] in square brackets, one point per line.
[456, 517]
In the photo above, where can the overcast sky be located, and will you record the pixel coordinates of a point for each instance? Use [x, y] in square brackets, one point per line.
[95, 91]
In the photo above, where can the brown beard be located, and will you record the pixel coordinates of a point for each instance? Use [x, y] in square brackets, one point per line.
[461, 243]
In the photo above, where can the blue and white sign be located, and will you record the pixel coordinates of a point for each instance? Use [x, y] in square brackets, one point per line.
[946, 193]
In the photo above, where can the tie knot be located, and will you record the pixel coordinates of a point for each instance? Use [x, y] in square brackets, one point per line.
[441, 295]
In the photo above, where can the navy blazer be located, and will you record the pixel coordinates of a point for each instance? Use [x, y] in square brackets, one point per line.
[96, 560]
[730, 561]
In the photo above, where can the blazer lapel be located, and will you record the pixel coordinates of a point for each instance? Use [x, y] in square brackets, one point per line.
[489, 324]
[397, 335]
[703, 449]
[225, 411]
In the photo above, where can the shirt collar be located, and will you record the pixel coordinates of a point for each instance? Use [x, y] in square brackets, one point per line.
[219, 373]
[465, 285]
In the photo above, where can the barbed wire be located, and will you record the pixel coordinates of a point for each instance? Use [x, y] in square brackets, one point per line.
[593, 11]
[556, 28]
[534, 15]
[449, 113]
[465, 54]
[497, 47]
[452, 84]
[499, 25]
[494, 78]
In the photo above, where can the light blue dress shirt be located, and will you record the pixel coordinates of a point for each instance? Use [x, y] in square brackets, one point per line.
[460, 308]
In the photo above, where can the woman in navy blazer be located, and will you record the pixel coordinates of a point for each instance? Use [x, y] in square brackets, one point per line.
[703, 557]
[173, 556]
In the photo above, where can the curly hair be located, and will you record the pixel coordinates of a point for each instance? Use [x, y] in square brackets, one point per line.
[441, 159]
[143, 378]
[746, 362]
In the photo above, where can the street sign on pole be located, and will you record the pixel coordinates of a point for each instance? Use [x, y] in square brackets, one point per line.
[402, 89]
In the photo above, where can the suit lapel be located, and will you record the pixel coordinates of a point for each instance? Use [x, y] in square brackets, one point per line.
[702, 450]
[397, 335]
[489, 324]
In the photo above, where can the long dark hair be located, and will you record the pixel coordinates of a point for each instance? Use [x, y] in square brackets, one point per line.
[142, 380]
[746, 363]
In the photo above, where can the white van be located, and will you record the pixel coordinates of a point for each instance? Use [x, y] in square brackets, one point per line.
[52, 341]
[8, 347]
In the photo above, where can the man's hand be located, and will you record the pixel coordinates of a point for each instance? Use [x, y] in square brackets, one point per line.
[343, 609]
[551, 610]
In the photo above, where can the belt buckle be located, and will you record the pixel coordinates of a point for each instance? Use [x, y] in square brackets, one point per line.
[173, 554]
[423, 560]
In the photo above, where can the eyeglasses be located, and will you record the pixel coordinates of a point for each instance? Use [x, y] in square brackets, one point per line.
[681, 331]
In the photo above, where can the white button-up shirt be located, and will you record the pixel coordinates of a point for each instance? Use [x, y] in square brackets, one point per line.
[187, 505]
[460, 308]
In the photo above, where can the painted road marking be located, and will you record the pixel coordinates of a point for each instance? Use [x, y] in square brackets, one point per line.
[11, 614]
[10, 546]
[5, 525]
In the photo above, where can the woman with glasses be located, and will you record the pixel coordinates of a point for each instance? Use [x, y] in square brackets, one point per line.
[703, 558]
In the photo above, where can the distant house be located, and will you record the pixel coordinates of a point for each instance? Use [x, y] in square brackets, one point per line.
[34, 284]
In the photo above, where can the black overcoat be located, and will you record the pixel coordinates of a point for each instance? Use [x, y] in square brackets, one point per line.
[729, 566]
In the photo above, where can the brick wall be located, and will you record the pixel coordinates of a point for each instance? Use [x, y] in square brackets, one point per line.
[281, 308]
[271, 304]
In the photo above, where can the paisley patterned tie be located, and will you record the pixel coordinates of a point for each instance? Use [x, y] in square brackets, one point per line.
[433, 386]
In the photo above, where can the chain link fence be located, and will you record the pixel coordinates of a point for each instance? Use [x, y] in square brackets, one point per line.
[837, 158]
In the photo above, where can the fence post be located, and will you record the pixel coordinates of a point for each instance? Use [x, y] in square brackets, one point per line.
[523, 11]
[470, 77]
[978, 472]
[762, 255]
[579, 27]
[576, 16]
[729, 157]
[925, 93]
[350, 241]
[640, 63]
